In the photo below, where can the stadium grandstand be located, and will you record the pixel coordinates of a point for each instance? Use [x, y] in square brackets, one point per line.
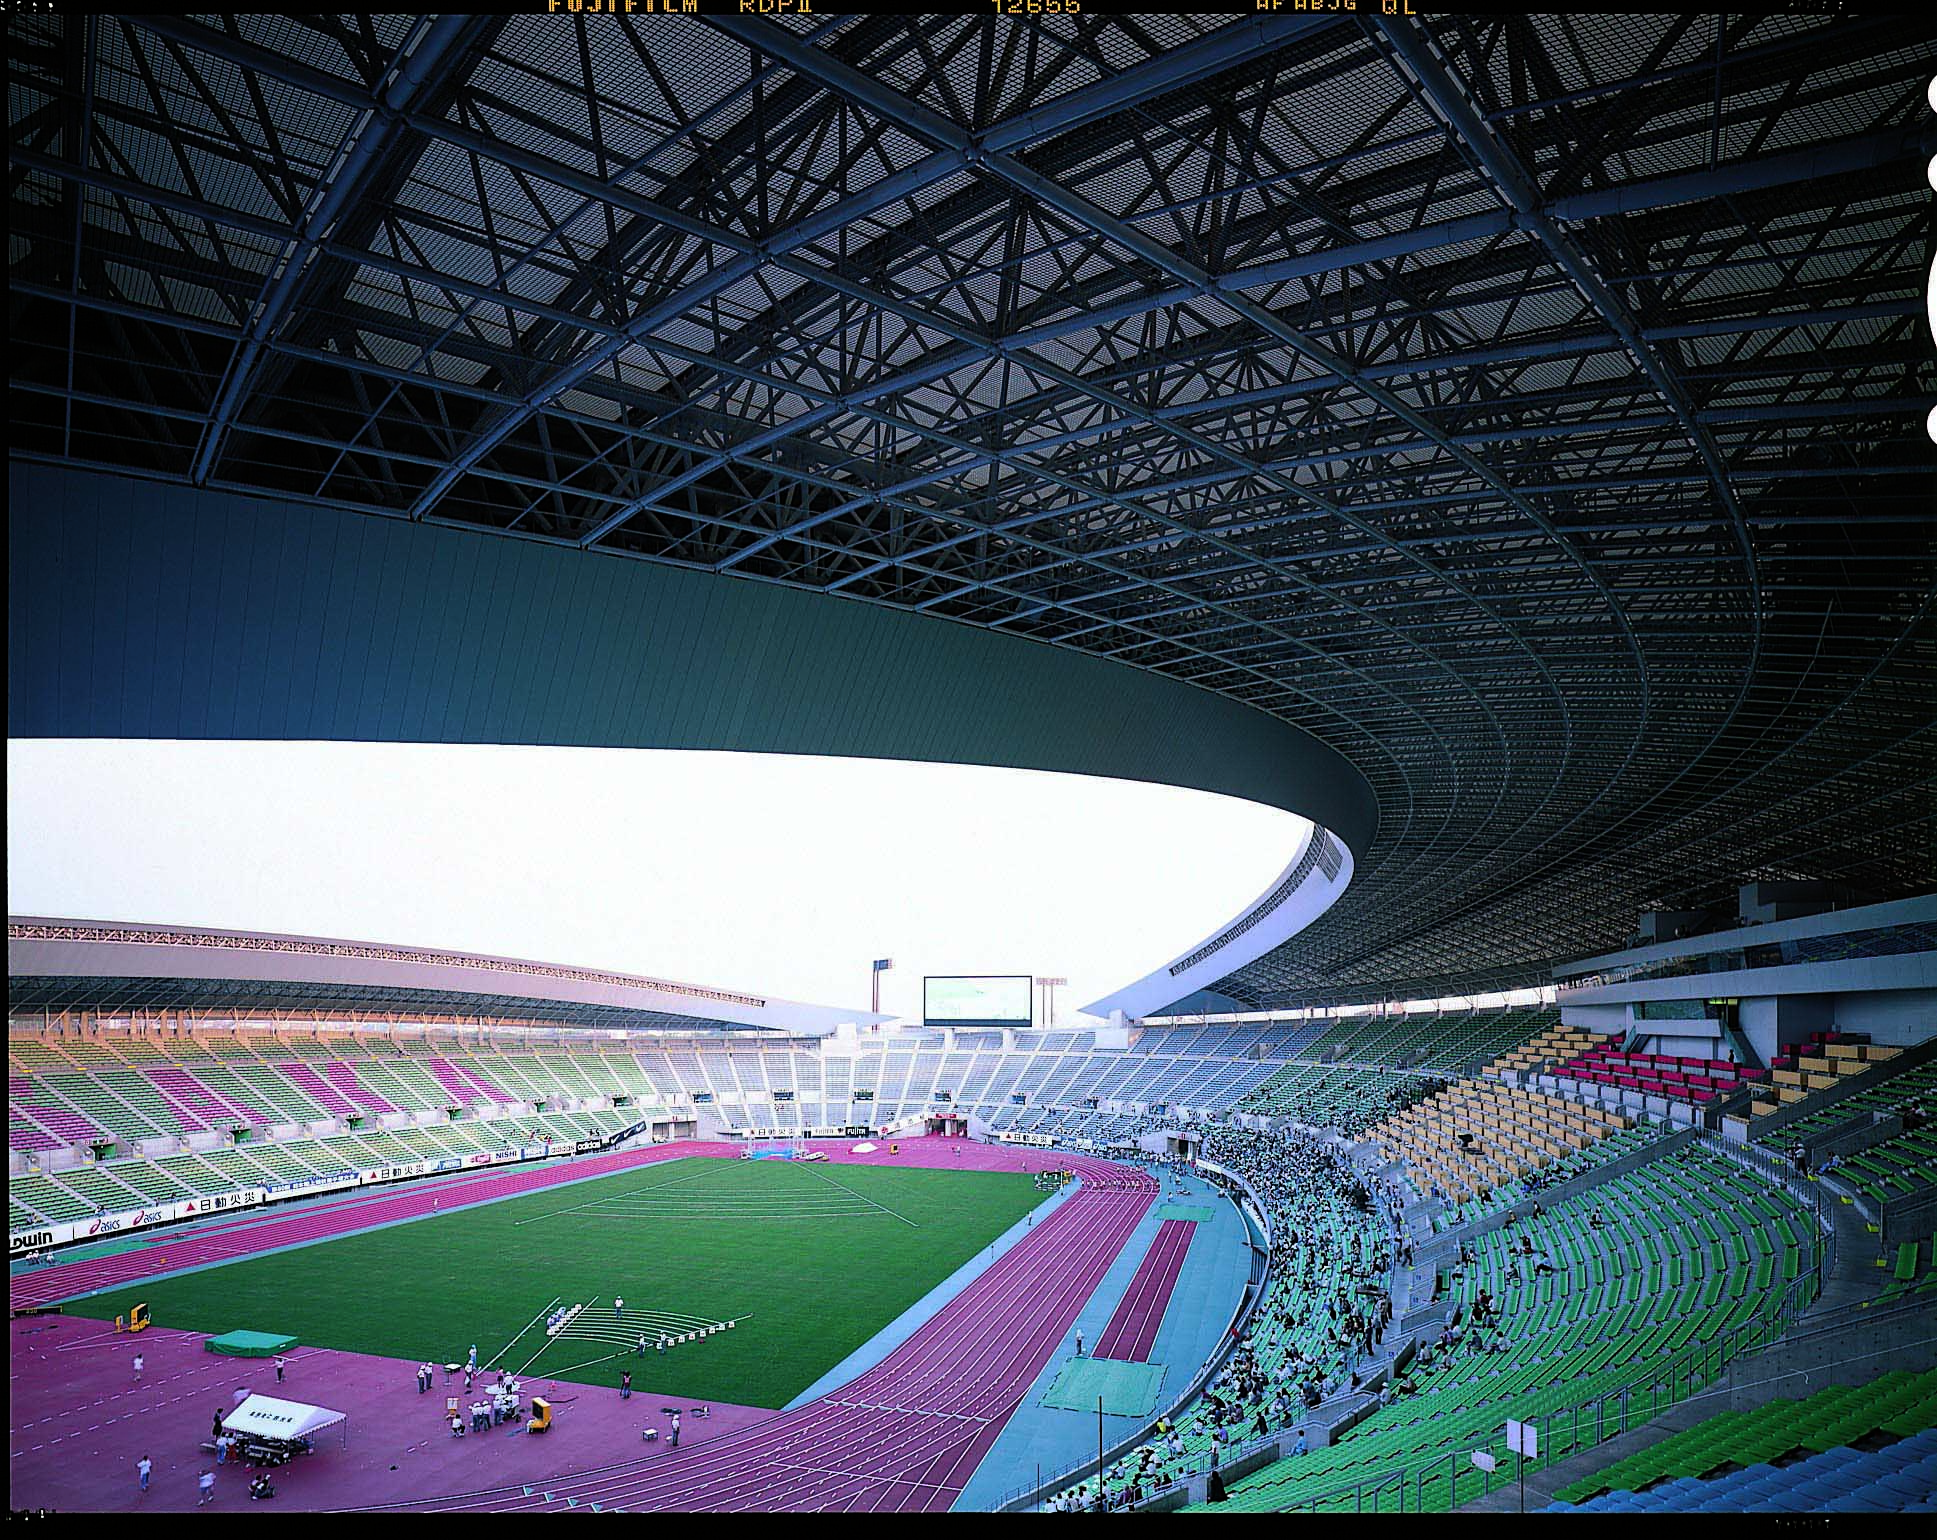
[1498, 440]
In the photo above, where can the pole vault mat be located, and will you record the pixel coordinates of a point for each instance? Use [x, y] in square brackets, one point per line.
[1194, 1213]
[1127, 1390]
[250, 1344]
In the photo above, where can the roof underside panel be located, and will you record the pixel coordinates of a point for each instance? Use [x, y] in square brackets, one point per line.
[1529, 407]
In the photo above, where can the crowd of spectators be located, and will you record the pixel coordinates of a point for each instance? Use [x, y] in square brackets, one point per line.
[1336, 1235]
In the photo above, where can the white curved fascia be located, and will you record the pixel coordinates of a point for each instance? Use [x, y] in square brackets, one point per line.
[1272, 918]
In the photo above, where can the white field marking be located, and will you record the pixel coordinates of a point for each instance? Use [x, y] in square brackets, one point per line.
[595, 1202]
[518, 1373]
[632, 1348]
[631, 1330]
[498, 1357]
[842, 1211]
[862, 1196]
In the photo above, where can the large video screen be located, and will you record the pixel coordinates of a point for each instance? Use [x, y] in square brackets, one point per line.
[1001, 1001]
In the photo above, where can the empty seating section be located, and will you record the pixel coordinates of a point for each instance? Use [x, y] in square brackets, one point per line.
[1903, 1164]
[285, 1100]
[1476, 1135]
[282, 1163]
[1746, 1444]
[319, 1091]
[48, 1199]
[348, 1083]
[1884, 1094]
[1900, 1477]
[31, 1103]
[92, 1053]
[1690, 1246]
[1601, 1152]
[1544, 1050]
[1349, 1100]
[1678, 1077]
[196, 1174]
[1820, 1062]
[222, 1082]
[150, 1180]
[458, 1088]
[101, 1106]
[99, 1190]
[25, 1054]
[240, 1167]
[406, 1082]
[22, 1135]
[1429, 1039]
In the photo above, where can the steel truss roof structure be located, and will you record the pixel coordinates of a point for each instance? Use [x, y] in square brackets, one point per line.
[1530, 407]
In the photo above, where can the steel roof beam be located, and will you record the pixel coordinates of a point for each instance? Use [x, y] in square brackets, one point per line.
[338, 190]
[1210, 56]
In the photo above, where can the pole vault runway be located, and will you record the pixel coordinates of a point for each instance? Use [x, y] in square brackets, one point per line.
[907, 1435]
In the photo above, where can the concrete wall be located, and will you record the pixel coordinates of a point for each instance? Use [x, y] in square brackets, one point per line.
[1900, 1016]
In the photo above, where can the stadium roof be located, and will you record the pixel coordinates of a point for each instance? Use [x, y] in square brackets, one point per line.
[58, 965]
[1528, 407]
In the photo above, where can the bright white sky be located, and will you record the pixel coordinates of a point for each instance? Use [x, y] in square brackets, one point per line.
[779, 874]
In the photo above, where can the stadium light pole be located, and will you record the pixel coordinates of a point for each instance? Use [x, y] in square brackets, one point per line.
[1049, 988]
[881, 966]
[1099, 1454]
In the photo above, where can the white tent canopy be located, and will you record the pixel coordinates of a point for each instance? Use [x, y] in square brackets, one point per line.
[267, 1417]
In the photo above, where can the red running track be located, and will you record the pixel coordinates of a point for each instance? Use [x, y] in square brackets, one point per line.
[224, 1242]
[907, 1435]
[1133, 1328]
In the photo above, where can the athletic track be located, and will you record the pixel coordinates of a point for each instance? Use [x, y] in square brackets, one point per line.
[903, 1437]
[1133, 1328]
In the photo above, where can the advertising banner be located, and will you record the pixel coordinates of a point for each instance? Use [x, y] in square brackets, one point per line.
[393, 1172]
[221, 1202]
[20, 1242]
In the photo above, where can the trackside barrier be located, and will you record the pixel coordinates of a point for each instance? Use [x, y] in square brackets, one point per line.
[41, 1237]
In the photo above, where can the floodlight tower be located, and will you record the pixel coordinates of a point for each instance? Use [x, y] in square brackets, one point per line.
[1049, 988]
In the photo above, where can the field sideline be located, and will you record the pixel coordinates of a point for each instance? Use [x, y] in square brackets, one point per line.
[810, 1260]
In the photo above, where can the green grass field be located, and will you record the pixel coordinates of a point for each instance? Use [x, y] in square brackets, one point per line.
[809, 1260]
